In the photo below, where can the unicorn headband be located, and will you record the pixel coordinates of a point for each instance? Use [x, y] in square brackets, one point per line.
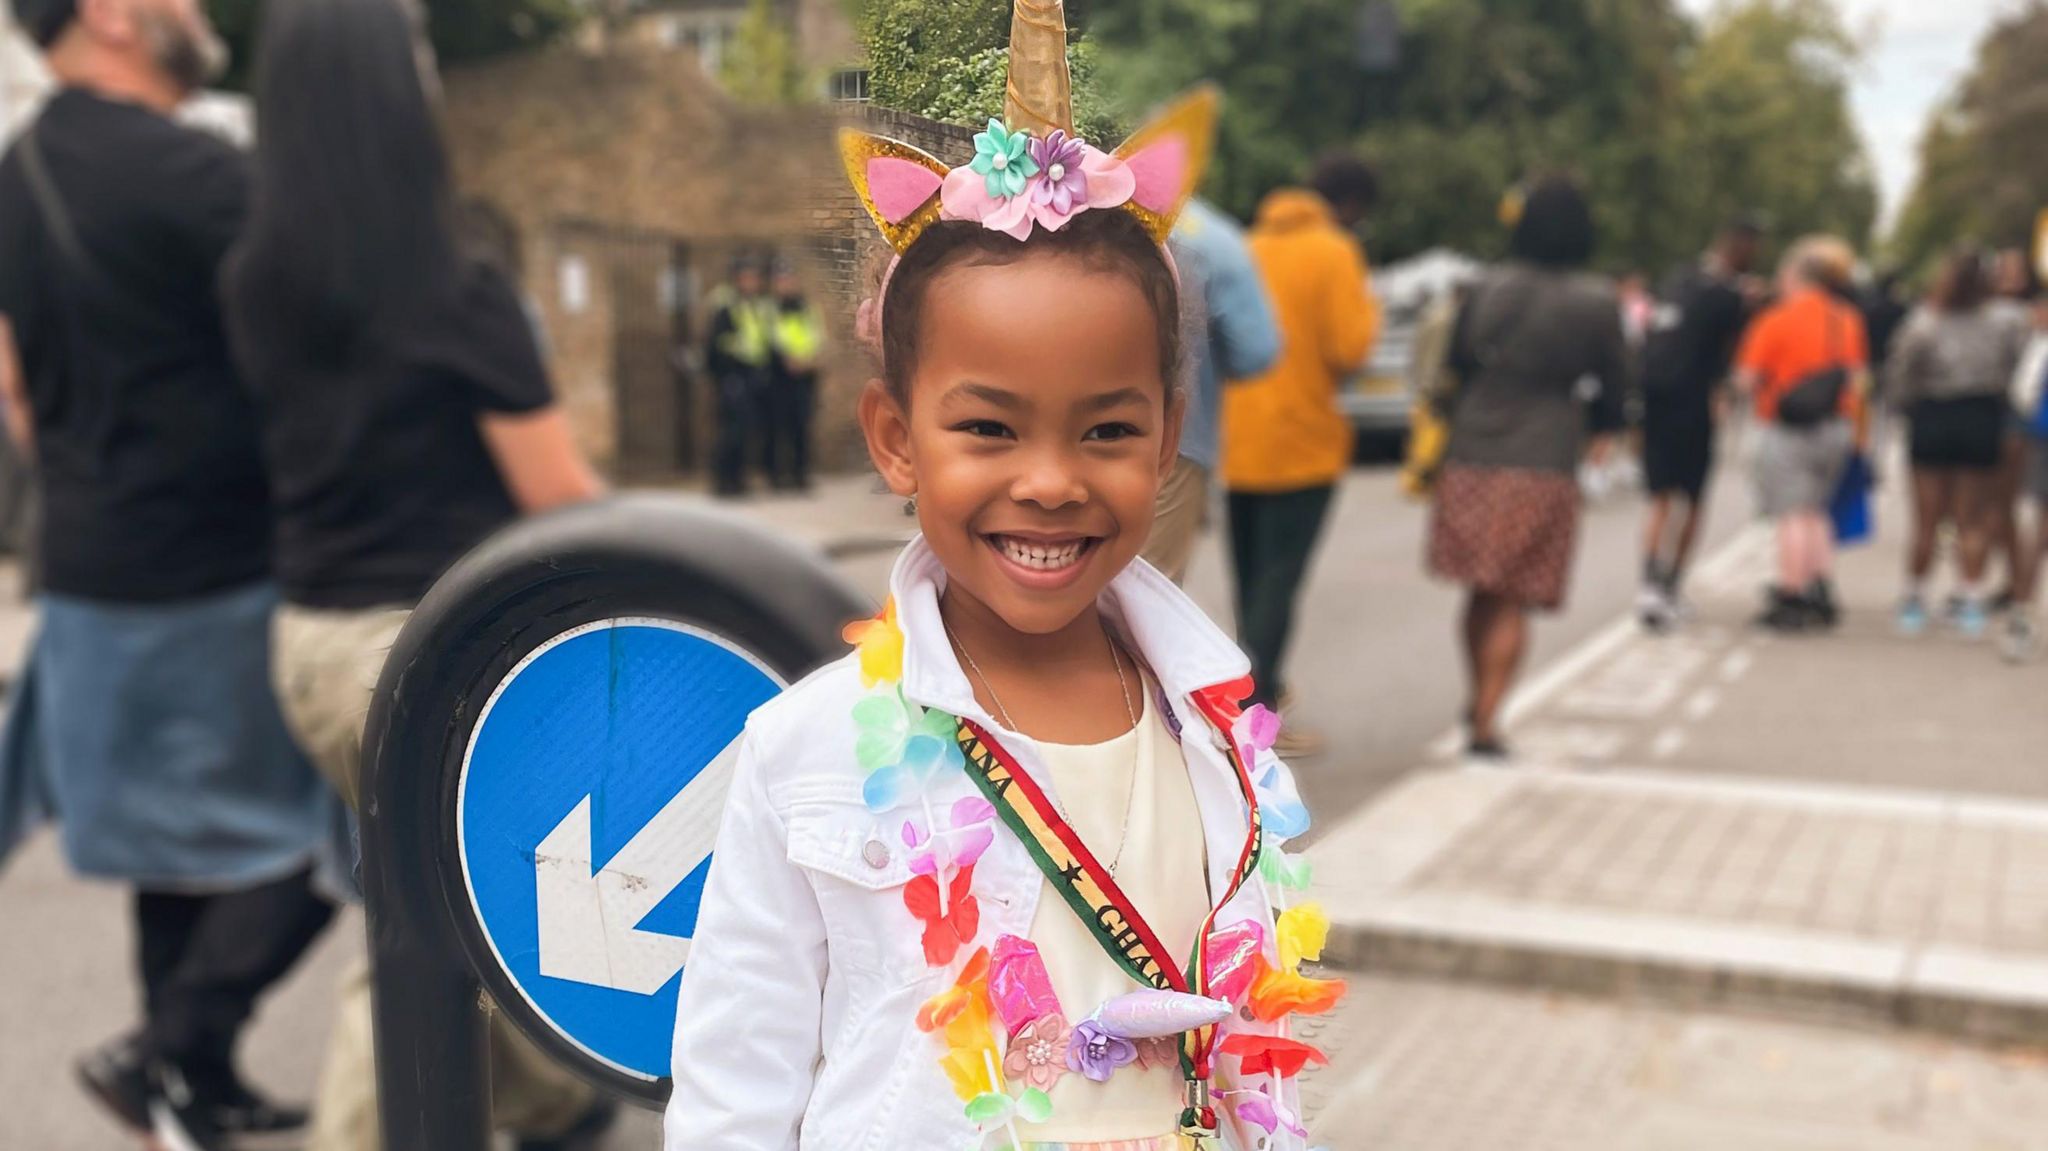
[1029, 169]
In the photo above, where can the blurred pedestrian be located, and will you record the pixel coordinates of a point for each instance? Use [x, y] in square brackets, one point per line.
[1699, 319]
[1951, 375]
[405, 415]
[2016, 286]
[1286, 443]
[1506, 519]
[796, 340]
[1238, 339]
[738, 354]
[2030, 402]
[145, 720]
[1804, 364]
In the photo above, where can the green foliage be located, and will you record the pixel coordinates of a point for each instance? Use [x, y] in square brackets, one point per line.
[973, 94]
[764, 67]
[1983, 173]
[1673, 124]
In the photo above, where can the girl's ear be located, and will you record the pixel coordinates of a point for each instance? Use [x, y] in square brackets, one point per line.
[887, 428]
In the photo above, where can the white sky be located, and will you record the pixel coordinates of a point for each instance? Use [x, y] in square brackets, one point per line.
[1917, 51]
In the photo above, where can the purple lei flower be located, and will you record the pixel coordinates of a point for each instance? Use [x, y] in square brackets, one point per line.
[1095, 1053]
[1061, 182]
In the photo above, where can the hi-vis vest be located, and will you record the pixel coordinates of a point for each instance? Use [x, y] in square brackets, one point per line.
[751, 339]
[799, 333]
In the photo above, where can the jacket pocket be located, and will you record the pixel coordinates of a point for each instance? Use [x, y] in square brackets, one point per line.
[858, 865]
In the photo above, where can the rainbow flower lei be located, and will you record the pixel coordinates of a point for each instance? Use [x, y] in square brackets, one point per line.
[905, 751]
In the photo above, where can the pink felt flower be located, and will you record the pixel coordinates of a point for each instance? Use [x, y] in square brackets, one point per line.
[1103, 181]
[1038, 1053]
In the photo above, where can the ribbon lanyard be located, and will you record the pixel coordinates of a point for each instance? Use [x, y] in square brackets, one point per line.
[1089, 889]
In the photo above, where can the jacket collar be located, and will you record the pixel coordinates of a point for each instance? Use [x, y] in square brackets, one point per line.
[1185, 650]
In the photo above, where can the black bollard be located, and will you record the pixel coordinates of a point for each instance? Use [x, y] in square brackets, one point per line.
[631, 566]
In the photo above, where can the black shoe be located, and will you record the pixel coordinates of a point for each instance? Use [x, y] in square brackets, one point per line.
[180, 1117]
[1820, 604]
[1487, 753]
[587, 1135]
[243, 1112]
[1788, 613]
[115, 1077]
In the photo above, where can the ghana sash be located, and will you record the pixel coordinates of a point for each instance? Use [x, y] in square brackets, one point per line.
[1092, 893]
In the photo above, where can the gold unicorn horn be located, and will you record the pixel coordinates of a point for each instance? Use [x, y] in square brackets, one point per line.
[1040, 96]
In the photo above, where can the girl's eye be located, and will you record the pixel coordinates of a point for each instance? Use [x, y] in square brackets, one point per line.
[987, 429]
[1110, 433]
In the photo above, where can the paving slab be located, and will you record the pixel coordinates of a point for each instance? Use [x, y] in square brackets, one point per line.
[1425, 1066]
[1921, 909]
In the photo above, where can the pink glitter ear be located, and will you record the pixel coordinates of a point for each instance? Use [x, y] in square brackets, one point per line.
[900, 187]
[1161, 169]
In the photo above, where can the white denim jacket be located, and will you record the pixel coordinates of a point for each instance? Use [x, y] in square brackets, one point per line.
[795, 1027]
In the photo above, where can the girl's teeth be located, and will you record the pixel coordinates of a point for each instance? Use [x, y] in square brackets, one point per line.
[1042, 557]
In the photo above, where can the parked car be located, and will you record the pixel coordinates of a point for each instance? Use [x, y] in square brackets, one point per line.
[1379, 397]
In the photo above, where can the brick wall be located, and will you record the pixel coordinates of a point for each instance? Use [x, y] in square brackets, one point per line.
[629, 178]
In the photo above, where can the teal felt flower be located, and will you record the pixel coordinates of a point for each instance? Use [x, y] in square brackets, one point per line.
[1003, 159]
[886, 721]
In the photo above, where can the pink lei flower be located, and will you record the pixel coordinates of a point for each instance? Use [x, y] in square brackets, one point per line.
[1038, 1053]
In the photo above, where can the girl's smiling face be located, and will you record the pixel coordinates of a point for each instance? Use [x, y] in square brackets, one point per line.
[1037, 429]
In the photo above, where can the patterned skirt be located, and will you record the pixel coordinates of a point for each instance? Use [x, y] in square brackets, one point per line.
[1508, 532]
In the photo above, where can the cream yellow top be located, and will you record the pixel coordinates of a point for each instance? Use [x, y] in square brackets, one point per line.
[1161, 871]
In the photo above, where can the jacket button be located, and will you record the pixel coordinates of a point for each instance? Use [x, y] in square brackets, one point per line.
[876, 853]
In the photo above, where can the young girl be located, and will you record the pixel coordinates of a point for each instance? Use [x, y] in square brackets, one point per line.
[1009, 875]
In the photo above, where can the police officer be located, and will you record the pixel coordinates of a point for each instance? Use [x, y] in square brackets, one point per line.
[797, 336]
[739, 358]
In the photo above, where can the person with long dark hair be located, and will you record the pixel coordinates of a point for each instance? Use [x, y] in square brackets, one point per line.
[1507, 510]
[405, 414]
[1950, 373]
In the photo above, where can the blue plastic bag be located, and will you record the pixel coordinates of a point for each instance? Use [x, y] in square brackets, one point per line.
[1851, 508]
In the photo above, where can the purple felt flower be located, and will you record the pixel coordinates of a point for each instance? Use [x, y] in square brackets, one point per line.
[1095, 1053]
[1061, 183]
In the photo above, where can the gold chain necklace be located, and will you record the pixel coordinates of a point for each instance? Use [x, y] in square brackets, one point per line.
[1131, 798]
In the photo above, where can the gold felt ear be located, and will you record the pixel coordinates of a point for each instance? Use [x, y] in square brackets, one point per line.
[899, 185]
[1170, 155]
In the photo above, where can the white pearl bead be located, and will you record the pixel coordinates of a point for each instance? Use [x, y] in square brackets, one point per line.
[1001, 161]
[1056, 173]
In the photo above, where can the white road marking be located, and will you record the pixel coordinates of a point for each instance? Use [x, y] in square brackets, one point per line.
[1737, 664]
[1702, 704]
[1669, 742]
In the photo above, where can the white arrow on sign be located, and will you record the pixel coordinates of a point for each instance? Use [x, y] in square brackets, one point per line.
[589, 918]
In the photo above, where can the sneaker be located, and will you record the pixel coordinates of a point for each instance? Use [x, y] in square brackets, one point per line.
[116, 1078]
[1971, 620]
[178, 1117]
[1298, 742]
[1787, 613]
[1821, 607]
[1655, 609]
[2018, 641]
[244, 1112]
[1912, 616]
[1487, 753]
[587, 1135]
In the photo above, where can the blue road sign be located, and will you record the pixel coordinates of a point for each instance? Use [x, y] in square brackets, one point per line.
[588, 806]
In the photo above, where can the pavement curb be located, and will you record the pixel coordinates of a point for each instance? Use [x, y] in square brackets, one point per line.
[1386, 921]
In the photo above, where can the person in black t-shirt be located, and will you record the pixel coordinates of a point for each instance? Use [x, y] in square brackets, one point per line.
[1700, 316]
[145, 713]
[405, 414]
[739, 356]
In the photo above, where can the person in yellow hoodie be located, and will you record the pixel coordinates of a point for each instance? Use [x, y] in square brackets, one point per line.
[1285, 441]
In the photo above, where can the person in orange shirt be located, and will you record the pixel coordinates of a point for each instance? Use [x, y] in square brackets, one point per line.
[1285, 441]
[1804, 364]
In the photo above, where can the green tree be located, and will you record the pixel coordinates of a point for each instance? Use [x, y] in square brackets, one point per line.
[1768, 126]
[1983, 175]
[764, 67]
